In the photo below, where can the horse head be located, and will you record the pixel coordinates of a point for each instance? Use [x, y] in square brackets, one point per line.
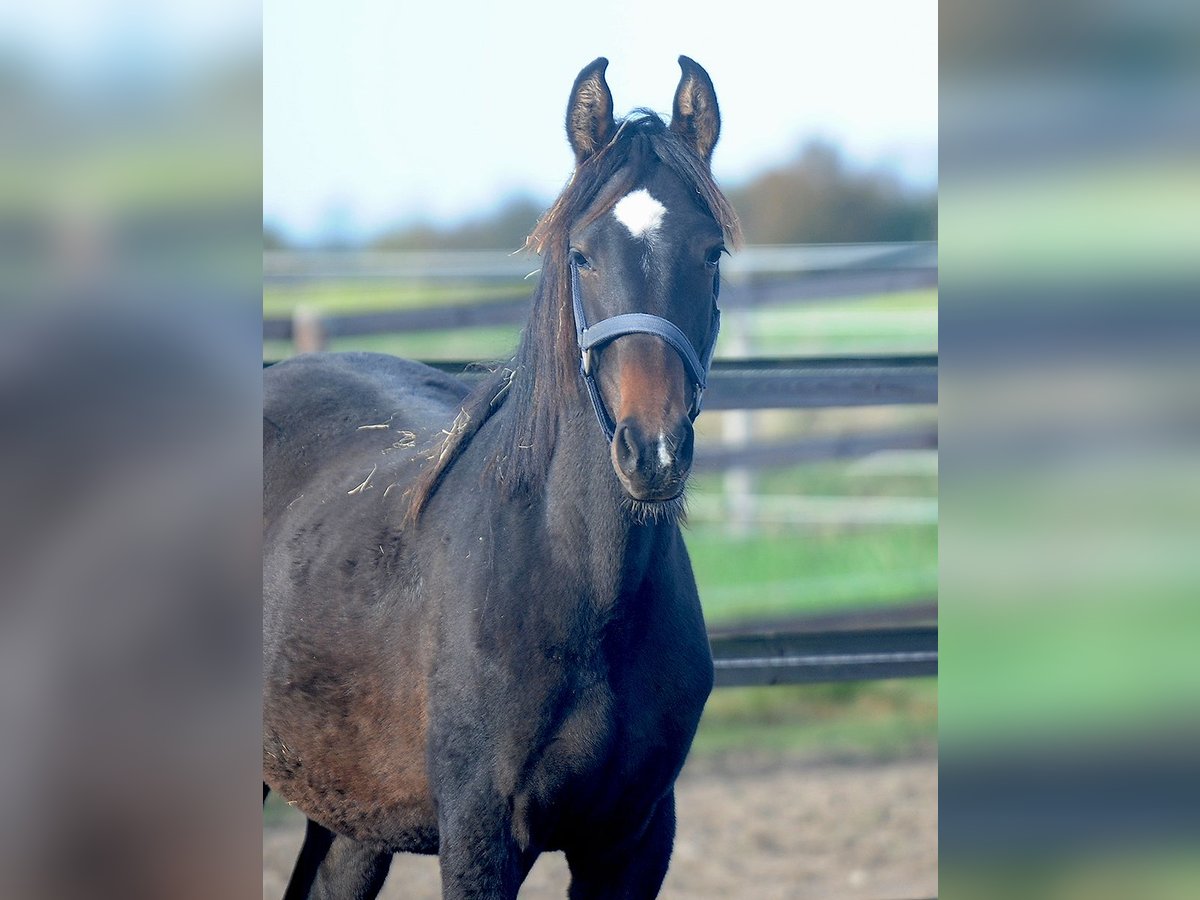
[644, 267]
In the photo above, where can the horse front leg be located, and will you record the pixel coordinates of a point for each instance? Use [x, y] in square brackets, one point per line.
[478, 855]
[335, 867]
[629, 871]
[317, 841]
[351, 871]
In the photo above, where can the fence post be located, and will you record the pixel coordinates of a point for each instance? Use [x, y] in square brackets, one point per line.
[737, 430]
[308, 330]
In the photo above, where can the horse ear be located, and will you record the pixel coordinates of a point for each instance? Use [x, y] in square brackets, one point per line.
[590, 122]
[694, 116]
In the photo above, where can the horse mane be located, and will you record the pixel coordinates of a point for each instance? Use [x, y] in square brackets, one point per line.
[542, 378]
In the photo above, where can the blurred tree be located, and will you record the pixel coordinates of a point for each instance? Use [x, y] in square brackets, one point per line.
[504, 228]
[816, 198]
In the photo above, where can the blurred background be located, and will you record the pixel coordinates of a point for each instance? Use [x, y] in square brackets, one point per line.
[143, 176]
[130, 423]
[1070, 181]
[406, 158]
[188, 186]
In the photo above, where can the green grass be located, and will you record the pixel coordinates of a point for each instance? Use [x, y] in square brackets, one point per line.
[881, 719]
[1074, 588]
[1120, 660]
[885, 323]
[1095, 218]
[827, 479]
[357, 296]
[774, 572]
[471, 344]
[276, 811]
[777, 574]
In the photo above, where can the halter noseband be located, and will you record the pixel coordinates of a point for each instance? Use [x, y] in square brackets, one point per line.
[640, 323]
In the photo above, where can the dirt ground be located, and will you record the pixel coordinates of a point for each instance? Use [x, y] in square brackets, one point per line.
[761, 826]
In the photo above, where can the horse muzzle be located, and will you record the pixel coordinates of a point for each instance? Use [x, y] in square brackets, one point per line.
[652, 467]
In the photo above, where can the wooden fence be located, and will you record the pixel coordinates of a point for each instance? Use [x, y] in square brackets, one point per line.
[755, 277]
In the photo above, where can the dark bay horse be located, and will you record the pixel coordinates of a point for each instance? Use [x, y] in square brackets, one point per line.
[482, 637]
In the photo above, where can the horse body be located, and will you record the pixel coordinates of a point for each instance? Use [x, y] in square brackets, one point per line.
[484, 640]
[345, 646]
[560, 617]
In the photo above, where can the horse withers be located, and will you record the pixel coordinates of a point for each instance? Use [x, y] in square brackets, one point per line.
[482, 637]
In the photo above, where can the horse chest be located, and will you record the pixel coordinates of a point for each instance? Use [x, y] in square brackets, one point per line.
[613, 754]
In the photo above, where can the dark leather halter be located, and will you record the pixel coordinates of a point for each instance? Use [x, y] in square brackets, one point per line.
[610, 329]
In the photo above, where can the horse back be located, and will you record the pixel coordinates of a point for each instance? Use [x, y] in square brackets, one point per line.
[320, 409]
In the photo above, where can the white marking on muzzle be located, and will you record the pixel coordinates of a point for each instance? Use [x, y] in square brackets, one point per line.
[664, 455]
[640, 213]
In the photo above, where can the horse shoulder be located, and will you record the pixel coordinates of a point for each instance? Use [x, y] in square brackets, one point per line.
[326, 414]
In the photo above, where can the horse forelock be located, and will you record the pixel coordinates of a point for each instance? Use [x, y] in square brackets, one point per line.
[541, 384]
[640, 141]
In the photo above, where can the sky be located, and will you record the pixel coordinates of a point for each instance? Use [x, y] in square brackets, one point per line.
[69, 41]
[379, 112]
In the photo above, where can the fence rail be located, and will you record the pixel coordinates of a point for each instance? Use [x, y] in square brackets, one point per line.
[803, 384]
[817, 657]
[756, 276]
[457, 266]
[773, 383]
[822, 382]
[504, 309]
[920, 612]
[873, 642]
[717, 457]
[484, 312]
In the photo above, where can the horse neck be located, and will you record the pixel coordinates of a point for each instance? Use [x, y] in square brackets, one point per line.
[588, 511]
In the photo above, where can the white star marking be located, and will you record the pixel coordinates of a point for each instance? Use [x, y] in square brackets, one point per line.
[640, 213]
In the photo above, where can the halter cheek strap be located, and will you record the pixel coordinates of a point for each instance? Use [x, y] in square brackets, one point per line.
[610, 329]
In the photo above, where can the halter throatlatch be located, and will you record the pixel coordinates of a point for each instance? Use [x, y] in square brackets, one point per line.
[614, 327]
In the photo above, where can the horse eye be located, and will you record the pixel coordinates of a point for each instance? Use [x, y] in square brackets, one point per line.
[714, 256]
[579, 260]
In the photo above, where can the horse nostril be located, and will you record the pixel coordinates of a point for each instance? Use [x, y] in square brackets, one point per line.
[625, 445]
